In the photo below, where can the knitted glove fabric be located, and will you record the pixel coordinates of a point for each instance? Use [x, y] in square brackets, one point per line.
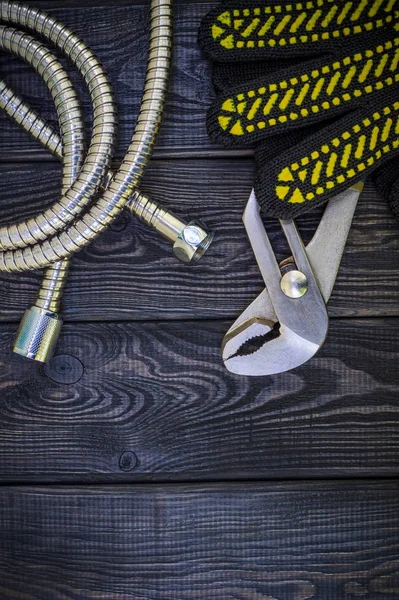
[314, 85]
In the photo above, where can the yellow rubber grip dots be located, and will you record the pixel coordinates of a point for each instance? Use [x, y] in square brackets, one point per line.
[341, 159]
[298, 23]
[331, 86]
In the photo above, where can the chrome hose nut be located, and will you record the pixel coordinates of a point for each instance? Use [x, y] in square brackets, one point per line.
[192, 242]
[38, 334]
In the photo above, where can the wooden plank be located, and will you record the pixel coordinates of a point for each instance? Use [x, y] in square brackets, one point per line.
[310, 541]
[130, 272]
[120, 43]
[129, 402]
[59, 4]
[49, 4]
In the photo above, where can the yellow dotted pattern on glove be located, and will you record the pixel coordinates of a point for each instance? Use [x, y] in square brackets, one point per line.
[298, 22]
[342, 159]
[320, 90]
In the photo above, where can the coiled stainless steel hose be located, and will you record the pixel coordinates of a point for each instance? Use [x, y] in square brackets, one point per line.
[85, 209]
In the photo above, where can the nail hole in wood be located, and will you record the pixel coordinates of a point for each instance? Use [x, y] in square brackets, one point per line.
[64, 369]
[128, 461]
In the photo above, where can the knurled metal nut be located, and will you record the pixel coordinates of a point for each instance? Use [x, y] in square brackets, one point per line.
[38, 334]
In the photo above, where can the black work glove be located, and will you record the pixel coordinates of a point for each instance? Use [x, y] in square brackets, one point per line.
[314, 85]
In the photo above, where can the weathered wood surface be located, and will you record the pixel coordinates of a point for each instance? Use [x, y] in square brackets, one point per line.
[152, 401]
[131, 273]
[310, 541]
[59, 4]
[160, 392]
[120, 42]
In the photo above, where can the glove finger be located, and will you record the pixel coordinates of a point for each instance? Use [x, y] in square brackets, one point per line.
[252, 30]
[329, 161]
[226, 75]
[303, 94]
[279, 145]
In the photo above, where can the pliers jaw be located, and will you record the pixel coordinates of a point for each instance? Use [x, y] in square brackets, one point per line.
[261, 345]
[277, 333]
[288, 351]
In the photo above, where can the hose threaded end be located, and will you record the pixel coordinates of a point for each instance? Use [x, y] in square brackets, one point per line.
[38, 334]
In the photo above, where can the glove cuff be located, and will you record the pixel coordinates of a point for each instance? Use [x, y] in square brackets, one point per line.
[386, 180]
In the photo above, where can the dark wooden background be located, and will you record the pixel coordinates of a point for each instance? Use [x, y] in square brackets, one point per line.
[134, 466]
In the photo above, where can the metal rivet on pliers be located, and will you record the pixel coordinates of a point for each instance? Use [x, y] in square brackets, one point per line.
[294, 284]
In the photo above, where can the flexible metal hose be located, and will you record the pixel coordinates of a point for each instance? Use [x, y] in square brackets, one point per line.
[151, 213]
[49, 239]
[67, 227]
[70, 149]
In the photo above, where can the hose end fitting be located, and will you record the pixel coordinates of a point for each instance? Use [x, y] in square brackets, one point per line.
[38, 334]
[192, 242]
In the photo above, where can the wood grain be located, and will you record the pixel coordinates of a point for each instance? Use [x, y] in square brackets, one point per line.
[161, 392]
[150, 401]
[131, 273]
[48, 4]
[310, 541]
[118, 36]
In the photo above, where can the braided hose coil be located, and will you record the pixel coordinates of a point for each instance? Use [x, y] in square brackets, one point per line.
[49, 239]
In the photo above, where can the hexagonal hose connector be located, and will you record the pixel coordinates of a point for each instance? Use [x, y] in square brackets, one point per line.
[192, 242]
[38, 334]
